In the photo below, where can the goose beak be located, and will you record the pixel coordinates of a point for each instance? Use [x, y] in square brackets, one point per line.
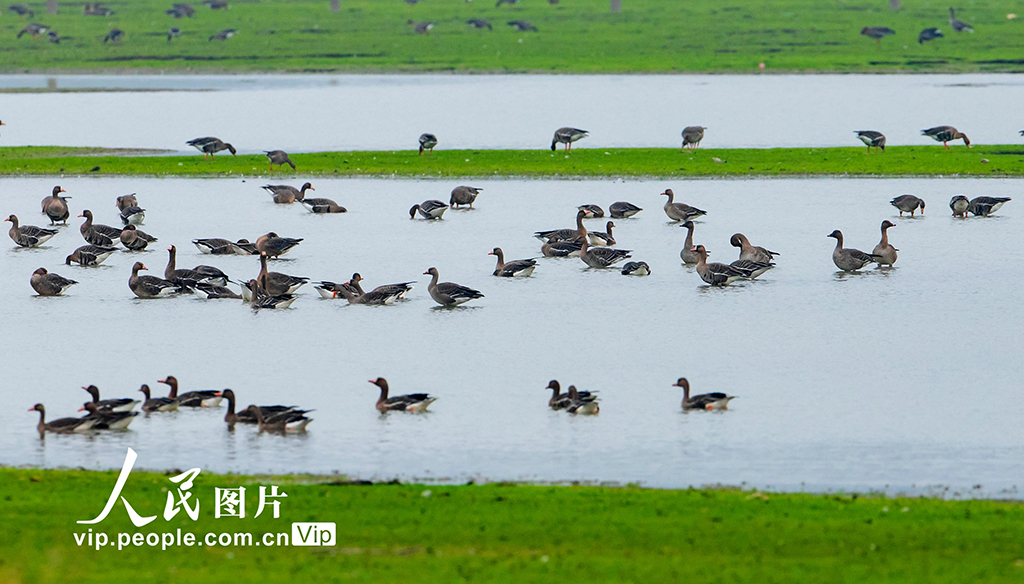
[81, 409]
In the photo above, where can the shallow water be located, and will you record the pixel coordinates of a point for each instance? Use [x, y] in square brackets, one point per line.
[902, 378]
[359, 112]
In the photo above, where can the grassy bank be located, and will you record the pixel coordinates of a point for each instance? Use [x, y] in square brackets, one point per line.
[512, 534]
[582, 162]
[572, 36]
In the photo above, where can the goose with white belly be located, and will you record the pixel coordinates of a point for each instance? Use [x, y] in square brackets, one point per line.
[431, 209]
[49, 284]
[192, 399]
[412, 402]
[449, 294]
[157, 404]
[680, 211]
[89, 255]
[28, 235]
[704, 401]
[514, 268]
[150, 286]
[602, 237]
[107, 420]
[61, 425]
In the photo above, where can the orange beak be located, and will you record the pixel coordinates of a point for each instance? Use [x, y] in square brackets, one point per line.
[144, 268]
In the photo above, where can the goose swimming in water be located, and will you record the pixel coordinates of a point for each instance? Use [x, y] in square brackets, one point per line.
[985, 206]
[717, 274]
[704, 401]
[287, 194]
[849, 259]
[432, 209]
[751, 252]
[413, 402]
[464, 195]
[561, 401]
[47, 284]
[61, 425]
[157, 404]
[89, 255]
[28, 235]
[514, 268]
[680, 211]
[623, 209]
[56, 207]
[150, 286]
[449, 294]
[636, 269]
[885, 252]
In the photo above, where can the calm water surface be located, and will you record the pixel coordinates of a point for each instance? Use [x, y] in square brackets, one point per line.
[904, 378]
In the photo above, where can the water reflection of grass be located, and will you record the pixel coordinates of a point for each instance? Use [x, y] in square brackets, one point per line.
[512, 534]
[572, 36]
[582, 162]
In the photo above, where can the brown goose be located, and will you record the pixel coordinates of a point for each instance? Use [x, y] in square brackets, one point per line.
[96, 234]
[573, 235]
[636, 269]
[567, 136]
[89, 255]
[578, 404]
[47, 284]
[592, 211]
[135, 239]
[208, 291]
[692, 136]
[191, 399]
[945, 134]
[247, 417]
[623, 210]
[61, 425]
[885, 252]
[197, 274]
[273, 245]
[871, 139]
[276, 283]
[431, 209]
[680, 211]
[428, 141]
[322, 206]
[287, 194]
[751, 252]
[218, 246]
[157, 404]
[420, 27]
[280, 158]
[560, 401]
[514, 268]
[353, 292]
[56, 207]
[150, 286]
[413, 402]
[28, 235]
[348, 290]
[704, 401]
[849, 259]
[258, 298]
[131, 212]
[601, 257]
[985, 206]
[689, 256]
[714, 273]
[908, 204]
[210, 146]
[107, 419]
[602, 237]
[877, 32]
[123, 404]
[464, 195]
[561, 249]
[449, 294]
[958, 25]
[290, 421]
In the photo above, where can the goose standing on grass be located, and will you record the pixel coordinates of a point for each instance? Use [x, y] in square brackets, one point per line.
[56, 207]
[427, 142]
[514, 268]
[413, 402]
[704, 401]
[123, 404]
[928, 34]
[592, 211]
[28, 235]
[89, 255]
[958, 25]
[173, 33]
[274, 245]
[33, 29]
[849, 259]
[567, 136]
[432, 209]
[908, 204]
[47, 284]
[449, 294]
[959, 205]
[479, 23]
[572, 235]
[278, 157]
[946, 134]
[623, 210]
[560, 401]
[578, 404]
[602, 237]
[877, 32]
[751, 252]
[985, 206]
[290, 421]
[258, 299]
[602, 257]
[276, 283]
[210, 146]
[150, 286]
[21, 10]
[714, 273]
[106, 419]
[287, 194]
[61, 425]
[96, 234]
[115, 35]
[192, 399]
[223, 35]
[692, 136]
[247, 417]
[219, 246]
[157, 404]
[636, 269]
[464, 195]
[322, 206]
[561, 249]
[688, 254]
[422, 27]
[680, 211]
[871, 139]
[885, 252]
[135, 239]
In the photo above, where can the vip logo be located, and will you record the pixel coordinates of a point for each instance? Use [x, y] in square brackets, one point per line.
[313, 534]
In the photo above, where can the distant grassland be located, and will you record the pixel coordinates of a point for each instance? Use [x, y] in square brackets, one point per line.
[995, 161]
[580, 36]
[510, 533]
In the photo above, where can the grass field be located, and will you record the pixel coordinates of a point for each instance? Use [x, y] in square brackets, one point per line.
[508, 533]
[572, 36]
[581, 162]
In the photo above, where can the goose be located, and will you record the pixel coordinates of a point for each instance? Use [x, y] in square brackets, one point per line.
[290, 421]
[210, 146]
[276, 283]
[714, 273]
[61, 425]
[258, 299]
[514, 268]
[522, 26]
[871, 139]
[636, 269]
[567, 136]
[959, 205]
[958, 25]
[623, 210]
[173, 33]
[420, 27]
[33, 29]
[219, 246]
[602, 237]
[413, 402]
[115, 35]
[157, 404]
[89, 255]
[124, 404]
[427, 142]
[877, 32]
[449, 294]
[223, 35]
[107, 420]
[216, 4]
[28, 235]
[323, 206]
[680, 211]
[602, 257]
[126, 201]
[134, 215]
[849, 259]
[945, 134]
[561, 249]
[273, 245]
[751, 252]
[247, 417]
[278, 157]
[928, 34]
[192, 399]
[197, 274]
[96, 234]
[150, 286]
[592, 211]
[180, 11]
[53, 37]
[985, 206]
[752, 268]
[287, 194]
[21, 10]
[208, 291]
[56, 207]
[573, 235]
[560, 401]
[432, 209]
[97, 9]
[47, 284]
[329, 290]
[885, 252]
[379, 296]
[463, 195]
[692, 136]
[908, 204]
[509, 2]
[479, 23]
[687, 254]
[135, 239]
[704, 401]
[578, 404]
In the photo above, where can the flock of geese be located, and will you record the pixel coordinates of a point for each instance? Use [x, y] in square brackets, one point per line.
[929, 34]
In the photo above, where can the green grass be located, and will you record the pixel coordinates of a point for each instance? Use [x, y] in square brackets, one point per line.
[574, 36]
[509, 533]
[581, 162]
